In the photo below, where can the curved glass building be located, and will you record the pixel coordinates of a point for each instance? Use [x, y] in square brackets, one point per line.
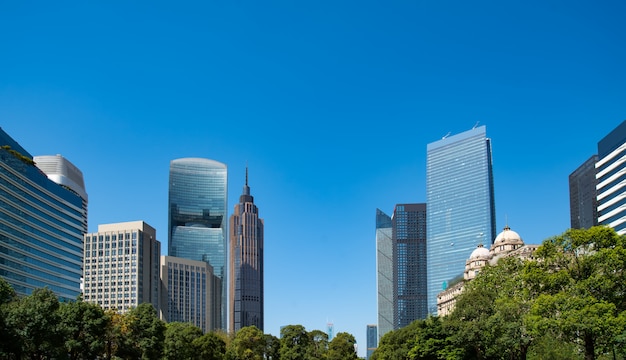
[41, 226]
[197, 220]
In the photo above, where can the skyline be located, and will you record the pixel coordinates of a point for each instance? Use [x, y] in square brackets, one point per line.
[330, 105]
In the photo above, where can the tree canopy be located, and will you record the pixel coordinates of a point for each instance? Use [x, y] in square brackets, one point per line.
[566, 302]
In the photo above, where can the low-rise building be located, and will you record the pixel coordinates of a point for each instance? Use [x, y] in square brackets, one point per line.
[508, 243]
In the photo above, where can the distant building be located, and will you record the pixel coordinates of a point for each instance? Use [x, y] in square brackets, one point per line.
[188, 291]
[460, 205]
[41, 225]
[409, 264]
[610, 169]
[121, 266]
[401, 267]
[583, 202]
[246, 264]
[507, 244]
[372, 340]
[384, 272]
[197, 219]
[330, 330]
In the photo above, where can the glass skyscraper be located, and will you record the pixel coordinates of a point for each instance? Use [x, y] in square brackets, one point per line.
[384, 272]
[409, 259]
[460, 205]
[246, 264]
[197, 218]
[41, 226]
[610, 175]
[583, 204]
[372, 340]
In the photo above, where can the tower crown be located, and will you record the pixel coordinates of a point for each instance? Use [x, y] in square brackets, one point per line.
[245, 196]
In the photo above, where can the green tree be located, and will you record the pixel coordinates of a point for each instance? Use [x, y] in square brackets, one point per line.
[144, 336]
[319, 344]
[84, 328]
[294, 343]
[36, 323]
[489, 319]
[396, 344]
[582, 283]
[272, 347]
[342, 347]
[431, 340]
[9, 344]
[210, 346]
[115, 332]
[248, 344]
[179, 338]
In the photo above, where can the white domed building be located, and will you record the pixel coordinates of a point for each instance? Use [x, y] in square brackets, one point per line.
[507, 243]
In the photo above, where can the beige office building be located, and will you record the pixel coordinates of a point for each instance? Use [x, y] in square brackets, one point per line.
[188, 291]
[121, 266]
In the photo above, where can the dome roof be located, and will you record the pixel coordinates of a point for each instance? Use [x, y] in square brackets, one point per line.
[508, 236]
[480, 252]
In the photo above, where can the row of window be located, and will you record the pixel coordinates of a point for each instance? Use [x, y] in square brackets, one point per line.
[101, 238]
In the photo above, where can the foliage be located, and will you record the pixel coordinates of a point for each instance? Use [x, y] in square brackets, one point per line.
[294, 343]
[35, 322]
[8, 338]
[272, 347]
[84, 327]
[248, 344]
[342, 347]
[145, 335]
[318, 345]
[210, 346]
[179, 339]
[567, 302]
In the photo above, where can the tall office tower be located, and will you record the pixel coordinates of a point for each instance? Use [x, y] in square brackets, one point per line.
[187, 292]
[63, 172]
[246, 264]
[41, 227]
[583, 204]
[121, 266]
[409, 264]
[460, 205]
[372, 340]
[384, 272]
[611, 188]
[197, 219]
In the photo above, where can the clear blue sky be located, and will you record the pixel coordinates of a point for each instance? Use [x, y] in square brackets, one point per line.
[331, 103]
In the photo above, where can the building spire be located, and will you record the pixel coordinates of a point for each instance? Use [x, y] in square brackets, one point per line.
[246, 188]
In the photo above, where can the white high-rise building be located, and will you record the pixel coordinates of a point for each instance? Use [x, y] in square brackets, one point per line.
[121, 266]
[611, 179]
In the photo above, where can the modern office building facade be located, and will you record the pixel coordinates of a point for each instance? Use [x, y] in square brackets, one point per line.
[384, 272]
[409, 259]
[372, 340]
[460, 205]
[583, 202]
[611, 179]
[121, 266]
[188, 290]
[41, 227]
[197, 218]
[246, 264]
